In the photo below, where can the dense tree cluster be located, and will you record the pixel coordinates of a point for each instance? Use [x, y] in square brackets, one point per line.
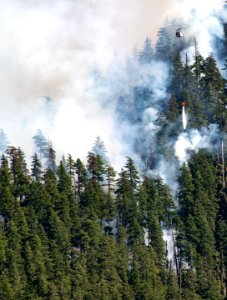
[75, 232]
[201, 229]
[79, 232]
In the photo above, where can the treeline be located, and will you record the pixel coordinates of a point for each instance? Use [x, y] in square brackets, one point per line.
[76, 231]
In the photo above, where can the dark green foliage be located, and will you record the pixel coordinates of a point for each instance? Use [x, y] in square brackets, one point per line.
[70, 164]
[173, 291]
[55, 246]
[36, 168]
[144, 274]
[198, 226]
[81, 173]
[110, 205]
[19, 172]
[51, 249]
[95, 166]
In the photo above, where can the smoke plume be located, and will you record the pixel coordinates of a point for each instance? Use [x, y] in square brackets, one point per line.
[50, 50]
[194, 140]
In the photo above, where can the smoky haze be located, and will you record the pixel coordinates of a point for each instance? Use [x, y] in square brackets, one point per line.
[48, 48]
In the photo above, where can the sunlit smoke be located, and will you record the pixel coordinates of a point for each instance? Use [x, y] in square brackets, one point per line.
[49, 51]
[194, 140]
[199, 20]
[199, 9]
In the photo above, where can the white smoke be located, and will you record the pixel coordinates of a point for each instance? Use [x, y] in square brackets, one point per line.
[200, 10]
[193, 140]
[49, 50]
[168, 171]
[201, 20]
[187, 143]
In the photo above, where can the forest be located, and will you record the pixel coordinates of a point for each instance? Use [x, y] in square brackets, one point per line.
[71, 229]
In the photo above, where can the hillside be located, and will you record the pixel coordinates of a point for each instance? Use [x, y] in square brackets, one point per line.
[153, 227]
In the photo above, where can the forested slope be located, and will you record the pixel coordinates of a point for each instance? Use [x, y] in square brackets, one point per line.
[78, 230]
[83, 236]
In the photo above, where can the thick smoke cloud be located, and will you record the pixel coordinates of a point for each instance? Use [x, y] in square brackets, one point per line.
[49, 48]
[200, 20]
[46, 46]
[194, 140]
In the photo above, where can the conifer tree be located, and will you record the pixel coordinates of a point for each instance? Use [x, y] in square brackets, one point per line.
[41, 144]
[51, 156]
[110, 205]
[80, 282]
[81, 177]
[100, 149]
[36, 168]
[70, 164]
[173, 291]
[146, 55]
[144, 276]
[95, 166]
[19, 172]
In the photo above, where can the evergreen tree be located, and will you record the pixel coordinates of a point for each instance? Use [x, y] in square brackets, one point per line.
[36, 168]
[19, 172]
[51, 156]
[100, 149]
[81, 173]
[95, 166]
[41, 144]
[110, 205]
[70, 165]
[144, 275]
[146, 55]
[177, 82]
[173, 291]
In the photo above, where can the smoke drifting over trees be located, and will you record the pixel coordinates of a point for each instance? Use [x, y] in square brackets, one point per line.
[122, 200]
[49, 51]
